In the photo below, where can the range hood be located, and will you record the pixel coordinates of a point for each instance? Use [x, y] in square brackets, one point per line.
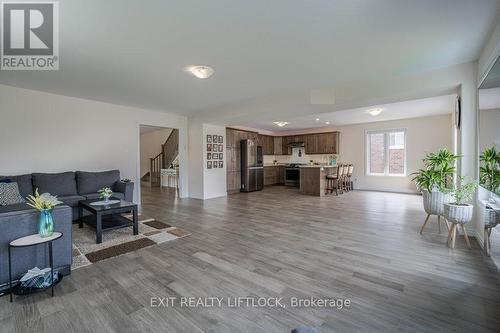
[296, 144]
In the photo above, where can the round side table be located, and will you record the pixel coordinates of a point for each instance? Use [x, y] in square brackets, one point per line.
[33, 240]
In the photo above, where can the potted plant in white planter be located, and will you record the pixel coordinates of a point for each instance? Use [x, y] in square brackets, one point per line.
[489, 170]
[434, 180]
[459, 211]
[105, 193]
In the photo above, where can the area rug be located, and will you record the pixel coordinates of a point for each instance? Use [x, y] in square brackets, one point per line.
[120, 241]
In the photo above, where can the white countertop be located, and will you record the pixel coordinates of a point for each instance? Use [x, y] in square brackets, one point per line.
[302, 166]
[318, 166]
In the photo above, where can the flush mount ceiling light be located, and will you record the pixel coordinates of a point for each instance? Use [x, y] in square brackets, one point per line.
[327, 122]
[280, 123]
[317, 119]
[201, 72]
[375, 111]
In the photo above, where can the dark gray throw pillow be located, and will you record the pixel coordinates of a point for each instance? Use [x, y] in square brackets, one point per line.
[91, 182]
[60, 184]
[9, 194]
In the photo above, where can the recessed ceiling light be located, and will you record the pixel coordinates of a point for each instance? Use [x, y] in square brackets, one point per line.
[317, 119]
[375, 111]
[280, 123]
[327, 122]
[201, 72]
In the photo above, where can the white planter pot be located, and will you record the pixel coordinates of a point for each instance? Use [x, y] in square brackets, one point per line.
[458, 213]
[491, 218]
[433, 202]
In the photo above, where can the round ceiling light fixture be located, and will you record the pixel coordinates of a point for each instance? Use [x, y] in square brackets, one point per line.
[201, 72]
[375, 111]
[327, 122]
[317, 119]
[280, 123]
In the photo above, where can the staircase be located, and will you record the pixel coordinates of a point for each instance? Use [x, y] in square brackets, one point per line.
[170, 149]
[169, 152]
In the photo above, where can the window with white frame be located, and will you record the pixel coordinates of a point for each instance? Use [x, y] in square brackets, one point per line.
[386, 152]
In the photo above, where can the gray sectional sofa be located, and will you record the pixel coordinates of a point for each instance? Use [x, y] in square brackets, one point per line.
[70, 187]
[20, 220]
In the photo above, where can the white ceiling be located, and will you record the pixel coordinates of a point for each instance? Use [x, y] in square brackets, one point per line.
[134, 53]
[409, 109]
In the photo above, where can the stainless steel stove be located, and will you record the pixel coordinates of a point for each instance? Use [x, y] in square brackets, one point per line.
[292, 174]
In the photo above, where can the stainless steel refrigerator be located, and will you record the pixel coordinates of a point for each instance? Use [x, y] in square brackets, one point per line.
[252, 166]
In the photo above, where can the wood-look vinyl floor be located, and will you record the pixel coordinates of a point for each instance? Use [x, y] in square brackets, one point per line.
[363, 246]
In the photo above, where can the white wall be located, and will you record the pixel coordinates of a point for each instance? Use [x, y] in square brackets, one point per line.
[196, 159]
[214, 180]
[423, 135]
[205, 183]
[41, 132]
[150, 143]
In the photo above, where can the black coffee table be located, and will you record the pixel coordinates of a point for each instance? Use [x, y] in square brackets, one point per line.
[107, 217]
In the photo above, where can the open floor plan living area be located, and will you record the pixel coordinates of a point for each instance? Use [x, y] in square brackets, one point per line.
[279, 166]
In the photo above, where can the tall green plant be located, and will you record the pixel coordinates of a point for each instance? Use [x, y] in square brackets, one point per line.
[438, 171]
[489, 170]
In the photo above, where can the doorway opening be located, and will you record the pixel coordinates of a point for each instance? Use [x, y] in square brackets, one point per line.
[159, 162]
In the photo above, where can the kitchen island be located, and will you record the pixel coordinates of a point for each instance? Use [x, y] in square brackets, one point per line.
[313, 179]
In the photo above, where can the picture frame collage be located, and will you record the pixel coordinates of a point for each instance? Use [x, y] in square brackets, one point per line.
[215, 151]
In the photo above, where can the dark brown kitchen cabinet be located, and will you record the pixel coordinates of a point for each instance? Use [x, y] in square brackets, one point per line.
[299, 138]
[322, 143]
[274, 175]
[311, 144]
[267, 144]
[288, 141]
[260, 140]
[280, 170]
[285, 144]
[233, 156]
[233, 181]
[229, 137]
[270, 175]
[278, 145]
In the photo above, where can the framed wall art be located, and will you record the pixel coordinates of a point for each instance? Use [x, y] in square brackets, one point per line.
[215, 151]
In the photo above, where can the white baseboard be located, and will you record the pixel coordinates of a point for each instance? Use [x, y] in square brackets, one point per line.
[386, 191]
[480, 238]
[217, 195]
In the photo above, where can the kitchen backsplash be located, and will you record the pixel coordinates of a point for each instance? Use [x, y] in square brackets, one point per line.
[298, 156]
